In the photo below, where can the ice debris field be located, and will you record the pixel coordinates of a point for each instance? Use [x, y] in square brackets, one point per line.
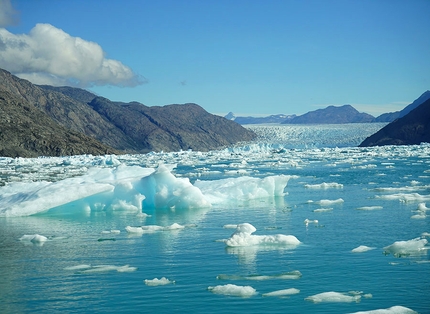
[261, 221]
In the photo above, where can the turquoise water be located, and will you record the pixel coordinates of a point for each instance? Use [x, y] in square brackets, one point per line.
[50, 276]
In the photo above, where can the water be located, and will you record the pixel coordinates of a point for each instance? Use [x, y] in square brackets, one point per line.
[388, 184]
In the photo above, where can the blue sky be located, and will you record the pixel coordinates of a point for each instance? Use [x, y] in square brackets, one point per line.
[249, 57]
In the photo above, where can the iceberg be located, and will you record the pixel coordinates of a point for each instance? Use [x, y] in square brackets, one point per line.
[243, 188]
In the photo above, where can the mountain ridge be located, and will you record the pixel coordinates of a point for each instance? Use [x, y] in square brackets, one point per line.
[411, 129]
[184, 127]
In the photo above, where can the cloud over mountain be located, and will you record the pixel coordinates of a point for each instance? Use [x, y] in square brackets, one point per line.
[48, 55]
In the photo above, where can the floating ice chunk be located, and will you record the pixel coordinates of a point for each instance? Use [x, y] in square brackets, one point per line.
[78, 267]
[84, 268]
[369, 208]
[34, 238]
[419, 216]
[230, 226]
[292, 275]
[398, 309]
[330, 202]
[244, 237]
[153, 228]
[425, 234]
[107, 268]
[158, 282]
[233, 290]
[405, 248]
[163, 190]
[130, 229]
[405, 197]
[97, 188]
[333, 297]
[324, 185]
[322, 210]
[308, 221]
[422, 207]
[282, 293]
[243, 188]
[362, 248]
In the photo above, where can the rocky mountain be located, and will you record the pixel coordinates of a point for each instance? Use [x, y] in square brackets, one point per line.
[26, 131]
[131, 128]
[172, 127]
[332, 115]
[413, 128]
[277, 118]
[391, 116]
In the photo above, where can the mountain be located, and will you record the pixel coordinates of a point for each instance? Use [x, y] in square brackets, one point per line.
[25, 131]
[121, 127]
[332, 115]
[278, 118]
[413, 128]
[391, 116]
[172, 127]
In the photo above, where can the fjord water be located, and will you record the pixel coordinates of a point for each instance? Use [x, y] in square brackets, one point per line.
[349, 207]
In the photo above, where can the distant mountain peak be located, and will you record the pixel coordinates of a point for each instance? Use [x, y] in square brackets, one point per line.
[333, 115]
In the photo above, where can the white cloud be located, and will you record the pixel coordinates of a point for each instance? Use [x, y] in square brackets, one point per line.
[48, 55]
[8, 16]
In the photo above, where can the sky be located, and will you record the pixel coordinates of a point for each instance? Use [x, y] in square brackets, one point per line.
[253, 57]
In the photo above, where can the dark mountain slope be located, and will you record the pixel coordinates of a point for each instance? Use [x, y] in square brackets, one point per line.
[130, 128]
[68, 112]
[172, 127]
[413, 128]
[391, 116]
[25, 131]
[332, 114]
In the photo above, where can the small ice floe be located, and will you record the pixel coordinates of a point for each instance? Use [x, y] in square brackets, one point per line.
[405, 197]
[330, 202]
[324, 185]
[406, 248]
[88, 269]
[362, 248]
[243, 237]
[233, 290]
[111, 232]
[398, 309]
[322, 210]
[230, 226]
[78, 267]
[292, 275]
[158, 282]
[282, 293]
[309, 221]
[425, 234]
[34, 238]
[153, 228]
[369, 208]
[332, 296]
